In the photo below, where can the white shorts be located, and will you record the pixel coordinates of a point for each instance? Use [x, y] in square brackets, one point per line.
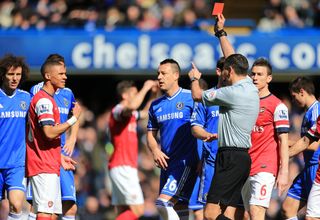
[313, 204]
[126, 188]
[46, 193]
[257, 190]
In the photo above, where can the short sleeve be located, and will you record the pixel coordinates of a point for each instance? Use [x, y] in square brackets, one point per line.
[152, 121]
[44, 111]
[281, 118]
[222, 96]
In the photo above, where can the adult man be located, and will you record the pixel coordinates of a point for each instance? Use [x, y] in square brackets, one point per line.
[302, 91]
[177, 154]
[123, 164]
[64, 99]
[14, 104]
[204, 124]
[269, 151]
[239, 107]
[44, 144]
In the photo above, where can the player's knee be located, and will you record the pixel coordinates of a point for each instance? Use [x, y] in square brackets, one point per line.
[165, 209]
[208, 215]
[138, 210]
[285, 211]
[16, 205]
[257, 212]
[69, 208]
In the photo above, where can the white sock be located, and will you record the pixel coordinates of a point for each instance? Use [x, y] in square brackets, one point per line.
[293, 218]
[166, 211]
[15, 216]
[32, 216]
[68, 217]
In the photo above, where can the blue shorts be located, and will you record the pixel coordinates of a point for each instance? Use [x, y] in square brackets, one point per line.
[12, 179]
[68, 189]
[201, 187]
[178, 181]
[302, 184]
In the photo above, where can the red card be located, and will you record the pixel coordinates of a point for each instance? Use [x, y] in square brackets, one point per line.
[217, 8]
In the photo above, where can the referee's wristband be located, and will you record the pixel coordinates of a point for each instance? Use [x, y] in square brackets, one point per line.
[192, 79]
[71, 121]
[220, 33]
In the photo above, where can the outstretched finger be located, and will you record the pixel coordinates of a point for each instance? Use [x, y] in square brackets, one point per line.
[194, 66]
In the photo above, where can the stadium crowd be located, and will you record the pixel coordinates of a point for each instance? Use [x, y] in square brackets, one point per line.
[142, 14]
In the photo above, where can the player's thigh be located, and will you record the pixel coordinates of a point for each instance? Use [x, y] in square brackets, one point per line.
[15, 179]
[126, 189]
[46, 193]
[313, 204]
[178, 181]
[258, 190]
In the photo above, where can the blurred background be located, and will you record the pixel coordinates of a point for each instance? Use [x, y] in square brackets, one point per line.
[106, 41]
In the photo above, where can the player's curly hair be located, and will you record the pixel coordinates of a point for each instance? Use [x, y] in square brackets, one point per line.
[9, 61]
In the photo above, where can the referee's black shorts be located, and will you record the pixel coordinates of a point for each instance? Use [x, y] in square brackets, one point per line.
[232, 168]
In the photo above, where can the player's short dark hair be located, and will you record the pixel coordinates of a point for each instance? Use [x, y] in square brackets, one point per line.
[238, 62]
[56, 57]
[302, 82]
[263, 62]
[48, 63]
[173, 63]
[9, 61]
[123, 86]
[220, 63]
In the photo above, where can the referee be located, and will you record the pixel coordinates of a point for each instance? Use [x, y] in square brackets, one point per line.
[239, 108]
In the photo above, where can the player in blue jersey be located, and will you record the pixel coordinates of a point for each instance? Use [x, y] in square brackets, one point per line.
[177, 153]
[204, 124]
[303, 93]
[64, 99]
[14, 104]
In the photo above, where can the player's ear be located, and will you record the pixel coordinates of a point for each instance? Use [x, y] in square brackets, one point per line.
[269, 78]
[47, 75]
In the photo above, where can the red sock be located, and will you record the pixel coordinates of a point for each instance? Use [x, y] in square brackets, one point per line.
[43, 218]
[127, 215]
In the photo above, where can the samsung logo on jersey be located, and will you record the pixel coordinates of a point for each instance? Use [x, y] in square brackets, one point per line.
[169, 116]
[214, 113]
[63, 110]
[13, 114]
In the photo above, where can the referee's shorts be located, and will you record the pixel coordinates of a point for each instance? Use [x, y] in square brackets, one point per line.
[232, 170]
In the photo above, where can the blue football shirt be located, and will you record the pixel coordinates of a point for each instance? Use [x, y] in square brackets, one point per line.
[207, 117]
[171, 116]
[13, 111]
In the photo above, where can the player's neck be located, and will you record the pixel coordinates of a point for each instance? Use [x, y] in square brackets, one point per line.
[48, 88]
[310, 100]
[8, 91]
[173, 90]
[264, 92]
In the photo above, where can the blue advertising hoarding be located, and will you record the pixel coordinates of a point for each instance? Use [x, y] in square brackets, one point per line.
[125, 51]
